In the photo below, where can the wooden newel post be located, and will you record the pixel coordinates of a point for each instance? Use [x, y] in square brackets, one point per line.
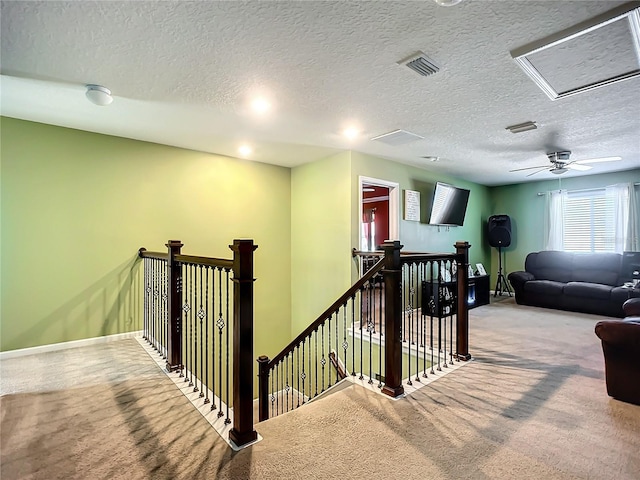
[243, 359]
[174, 307]
[392, 274]
[263, 388]
[462, 319]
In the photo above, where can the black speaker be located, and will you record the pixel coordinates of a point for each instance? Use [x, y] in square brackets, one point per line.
[499, 230]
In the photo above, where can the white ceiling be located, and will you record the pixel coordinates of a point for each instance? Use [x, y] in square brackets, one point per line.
[182, 73]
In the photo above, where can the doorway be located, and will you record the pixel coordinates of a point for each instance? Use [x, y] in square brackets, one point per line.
[378, 213]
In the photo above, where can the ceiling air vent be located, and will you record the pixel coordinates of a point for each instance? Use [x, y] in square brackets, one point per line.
[397, 137]
[420, 63]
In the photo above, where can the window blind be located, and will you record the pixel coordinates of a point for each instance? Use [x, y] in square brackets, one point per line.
[589, 221]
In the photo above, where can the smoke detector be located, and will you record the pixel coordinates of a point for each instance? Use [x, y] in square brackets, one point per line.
[99, 95]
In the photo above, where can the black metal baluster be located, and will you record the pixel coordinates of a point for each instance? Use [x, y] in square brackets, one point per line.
[345, 344]
[323, 361]
[278, 389]
[185, 308]
[337, 357]
[293, 379]
[408, 317]
[444, 320]
[353, 335]
[362, 301]
[165, 306]
[310, 396]
[370, 328]
[213, 340]
[309, 348]
[196, 373]
[228, 419]
[145, 306]
[381, 329]
[206, 333]
[416, 316]
[272, 397]
[329, 347]
[285, 381]
[154, 300]
[316, 360]
[431, 312]
[451, 334]
[297, 350]
[303, 375]
[423, 319]
[220, 325]
[192, 318]
[201, 316]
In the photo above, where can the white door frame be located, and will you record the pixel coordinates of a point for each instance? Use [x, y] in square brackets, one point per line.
[394, 206]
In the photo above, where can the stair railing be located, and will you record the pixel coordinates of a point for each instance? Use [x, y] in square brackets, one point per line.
[398, 320]
[198, 314]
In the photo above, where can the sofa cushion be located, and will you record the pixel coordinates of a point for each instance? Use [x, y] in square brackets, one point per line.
[544, 287]
[550, 265]
[603, 268]
[588, 290]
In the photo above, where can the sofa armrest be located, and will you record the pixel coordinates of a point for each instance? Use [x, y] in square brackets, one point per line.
[520, 278]
[620, 332]
[631, 307]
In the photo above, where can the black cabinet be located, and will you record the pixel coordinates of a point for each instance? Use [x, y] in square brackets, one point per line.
[479, 293]
[439, 298]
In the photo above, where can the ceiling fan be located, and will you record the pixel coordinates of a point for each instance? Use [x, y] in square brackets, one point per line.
[560, 163]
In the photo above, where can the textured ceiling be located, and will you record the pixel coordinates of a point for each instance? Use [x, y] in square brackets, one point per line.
[182, 73]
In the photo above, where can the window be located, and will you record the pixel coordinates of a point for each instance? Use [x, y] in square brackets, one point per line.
[593, 220]
[588, 222]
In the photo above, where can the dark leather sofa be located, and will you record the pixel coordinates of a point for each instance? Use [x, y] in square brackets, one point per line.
[621, 349]
[579, 282]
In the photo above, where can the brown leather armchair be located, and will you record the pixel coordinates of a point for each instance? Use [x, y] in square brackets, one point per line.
[621, 348]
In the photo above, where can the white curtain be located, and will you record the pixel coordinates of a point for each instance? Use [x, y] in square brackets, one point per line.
[619, 194]
[554, 225]
[633, 230]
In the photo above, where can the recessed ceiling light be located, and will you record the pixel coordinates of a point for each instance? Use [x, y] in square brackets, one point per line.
[431, 158]
[447, 3]
[351, 133]
[245, 150]
[260, 105]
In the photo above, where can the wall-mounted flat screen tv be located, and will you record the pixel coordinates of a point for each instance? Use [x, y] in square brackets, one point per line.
[449, 205]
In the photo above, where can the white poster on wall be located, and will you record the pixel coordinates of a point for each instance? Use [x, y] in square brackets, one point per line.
[412, 205]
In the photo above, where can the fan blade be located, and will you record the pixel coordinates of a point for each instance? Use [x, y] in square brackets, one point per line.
[598, 160]
[529, 168]
[541, 169]
[577, 166]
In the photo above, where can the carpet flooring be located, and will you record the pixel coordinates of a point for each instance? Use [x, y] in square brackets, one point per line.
[532, 404]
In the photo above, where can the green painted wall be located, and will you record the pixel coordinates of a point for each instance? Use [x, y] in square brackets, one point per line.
[320, 237]
[76, 207]
[419, 236]
[526, 209]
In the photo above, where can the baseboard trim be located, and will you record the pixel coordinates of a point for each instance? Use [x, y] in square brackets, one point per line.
[54, 347]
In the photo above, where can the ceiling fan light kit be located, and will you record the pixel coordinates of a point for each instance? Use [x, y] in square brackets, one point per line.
[98, 95]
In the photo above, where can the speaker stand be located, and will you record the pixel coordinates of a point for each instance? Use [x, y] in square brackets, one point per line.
[501, 282]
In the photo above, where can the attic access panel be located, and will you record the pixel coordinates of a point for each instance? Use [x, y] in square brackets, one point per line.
[595, 53]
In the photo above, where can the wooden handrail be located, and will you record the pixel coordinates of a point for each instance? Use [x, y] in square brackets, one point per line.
[144, 253]
[407, 255]
[328, 312]
[207, 261]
